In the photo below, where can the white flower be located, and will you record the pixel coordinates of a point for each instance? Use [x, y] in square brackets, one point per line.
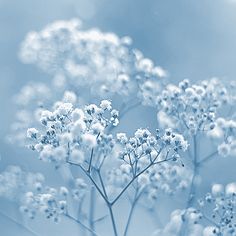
[217, 190]
[62, 206]
[39, 147]
[77, 156]
[210, 231]
[32, 133]
[106, 105]
[69, 97]
[121, 137]
[165, 121]
[224, 149]
[46, 153]
[97, 128]
[89, 140]
[77, 114]
[230, 189]
[59, 153]
[65, 138]
[78, 128]
[63, 109]
[63, 191]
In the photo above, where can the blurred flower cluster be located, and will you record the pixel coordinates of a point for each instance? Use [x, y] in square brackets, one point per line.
[224, 134]
[14, 182]
[102, 62]
[52, 202]
[215, 215]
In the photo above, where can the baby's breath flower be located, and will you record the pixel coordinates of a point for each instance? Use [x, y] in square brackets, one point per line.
[89, 140]
[77, 156]
[224, 149]
[69, 97]
[32, 133]
[77, 114]
[106, 105]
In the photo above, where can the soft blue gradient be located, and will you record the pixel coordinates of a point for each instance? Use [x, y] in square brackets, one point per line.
[190, 39]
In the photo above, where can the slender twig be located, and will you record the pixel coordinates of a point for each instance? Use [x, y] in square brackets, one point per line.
[102, 183]
[135, 177]
[191, 196]
[90, 161]
[92, 209]
[100, 219]
[134, 203]
[103, 193]
[80, 223]
[208, 158]
[112, 219]
[195, 172]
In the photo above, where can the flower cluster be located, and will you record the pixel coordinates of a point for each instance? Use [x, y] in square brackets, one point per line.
[221, 203]
[31, 101]
[224, 134]
[50, 201]
[215, 216]
[102, 62]
[193, 107]
[141, 153]
[168, 178]
[71, 134]
[14, 182]
[189, 218]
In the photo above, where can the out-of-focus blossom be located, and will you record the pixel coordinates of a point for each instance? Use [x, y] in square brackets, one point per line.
[102, 62]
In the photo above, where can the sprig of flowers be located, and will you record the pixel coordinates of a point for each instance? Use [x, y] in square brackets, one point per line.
[224, 134]
[140, 154]
[215, 215]
[69, 134]
[193, 107]
[221, 205]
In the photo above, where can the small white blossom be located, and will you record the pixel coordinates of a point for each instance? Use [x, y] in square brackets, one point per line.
[32, 133]
[89, 140]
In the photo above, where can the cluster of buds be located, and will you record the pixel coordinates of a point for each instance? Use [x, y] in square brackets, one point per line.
[69, 134]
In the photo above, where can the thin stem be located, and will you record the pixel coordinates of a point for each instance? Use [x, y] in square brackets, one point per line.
[80, 223]
[17, 223]
[102, 183]
[191, 196]
[104, 195]
[136, 198]
[100, 219]
[92, 209]
[208, 158]
[92, 180]
[90, 161]
[112, 219]
[135, 177]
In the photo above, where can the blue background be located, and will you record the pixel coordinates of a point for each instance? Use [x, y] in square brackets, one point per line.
[190, 39]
